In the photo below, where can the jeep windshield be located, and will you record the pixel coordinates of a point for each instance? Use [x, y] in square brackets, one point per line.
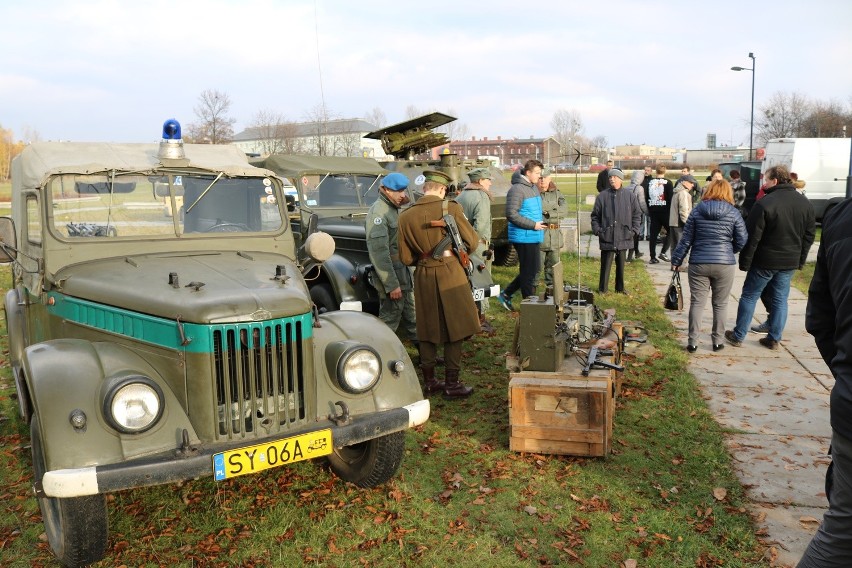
[132, 205]
[340, 190]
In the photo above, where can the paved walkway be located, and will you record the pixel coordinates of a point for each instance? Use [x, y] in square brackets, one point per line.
[774, 408]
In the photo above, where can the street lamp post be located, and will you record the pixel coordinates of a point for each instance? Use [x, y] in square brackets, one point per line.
[751, 124]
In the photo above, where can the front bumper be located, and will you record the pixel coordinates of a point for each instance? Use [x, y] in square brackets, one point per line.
[173, 466]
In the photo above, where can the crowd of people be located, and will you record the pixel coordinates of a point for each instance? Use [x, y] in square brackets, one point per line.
[708, 225]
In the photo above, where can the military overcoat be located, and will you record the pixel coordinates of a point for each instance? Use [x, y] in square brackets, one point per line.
[443, 298]
[554, 208]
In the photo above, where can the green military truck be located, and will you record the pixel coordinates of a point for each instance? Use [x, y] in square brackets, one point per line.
[148, 349]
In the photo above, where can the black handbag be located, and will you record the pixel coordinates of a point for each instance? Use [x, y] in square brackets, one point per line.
[674, 295]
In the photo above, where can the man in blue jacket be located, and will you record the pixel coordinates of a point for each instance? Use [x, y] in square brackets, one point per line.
[526, 231]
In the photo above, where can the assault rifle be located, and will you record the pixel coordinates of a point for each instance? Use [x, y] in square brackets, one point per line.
[454, 241]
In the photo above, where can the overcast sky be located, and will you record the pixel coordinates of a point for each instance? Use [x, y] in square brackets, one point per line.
[655, 72]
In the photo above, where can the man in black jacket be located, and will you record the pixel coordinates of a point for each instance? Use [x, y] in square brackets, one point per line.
[827, 319]
[781, 229]
[658, 196]
[603, 176]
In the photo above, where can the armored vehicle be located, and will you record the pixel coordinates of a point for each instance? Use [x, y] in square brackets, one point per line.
[406, 140]
[148, 350]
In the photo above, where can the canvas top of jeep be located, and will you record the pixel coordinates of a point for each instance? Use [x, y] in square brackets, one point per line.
[108, 226]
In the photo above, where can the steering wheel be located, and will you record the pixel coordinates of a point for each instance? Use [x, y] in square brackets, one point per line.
[227, 228]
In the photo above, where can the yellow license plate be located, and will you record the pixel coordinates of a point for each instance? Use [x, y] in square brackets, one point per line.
[253, 459]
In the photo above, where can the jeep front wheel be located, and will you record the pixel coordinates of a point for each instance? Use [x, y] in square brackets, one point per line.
[76, 527]
[323, 297]
[369, 463]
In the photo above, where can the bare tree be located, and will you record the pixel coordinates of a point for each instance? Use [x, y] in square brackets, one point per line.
[781, 116]
[412, 111]
[600, 147]
[826, 120]
[567, 127]
[275, 133]
[377, 118]
[319, 141]
[347, 140]
[214, 125]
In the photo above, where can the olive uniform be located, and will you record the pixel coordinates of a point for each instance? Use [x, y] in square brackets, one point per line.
[476, 204]
[554, 208]
[388, 272]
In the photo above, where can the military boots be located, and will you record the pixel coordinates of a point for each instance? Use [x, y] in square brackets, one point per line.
[454, 388]
[430, 383]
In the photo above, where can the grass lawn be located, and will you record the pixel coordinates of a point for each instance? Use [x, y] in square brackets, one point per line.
[666, 497]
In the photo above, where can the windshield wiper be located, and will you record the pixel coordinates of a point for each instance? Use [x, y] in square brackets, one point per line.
[203, 193]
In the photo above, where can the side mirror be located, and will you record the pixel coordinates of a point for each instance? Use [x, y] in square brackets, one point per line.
[291, 202]
[313, 223]
[8, 241]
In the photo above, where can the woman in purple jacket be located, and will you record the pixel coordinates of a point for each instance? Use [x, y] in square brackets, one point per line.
[714, 232]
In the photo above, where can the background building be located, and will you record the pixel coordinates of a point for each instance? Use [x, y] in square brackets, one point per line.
[509, 151]
[341, 137]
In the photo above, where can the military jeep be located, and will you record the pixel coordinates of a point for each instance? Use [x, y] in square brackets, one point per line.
[334, 196]
[149, 350]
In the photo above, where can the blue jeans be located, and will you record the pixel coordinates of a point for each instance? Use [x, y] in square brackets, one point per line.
[777, 286]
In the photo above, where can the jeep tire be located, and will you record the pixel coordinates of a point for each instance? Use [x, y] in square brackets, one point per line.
[76, 527]
[370, 463]
[505, 255]
[323, 297]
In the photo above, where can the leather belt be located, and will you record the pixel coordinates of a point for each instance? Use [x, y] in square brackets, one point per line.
[425, 255]
[552, 226]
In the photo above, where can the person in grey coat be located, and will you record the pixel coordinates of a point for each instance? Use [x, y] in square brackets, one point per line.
[714, 233]
[635, 187]
[615, 220]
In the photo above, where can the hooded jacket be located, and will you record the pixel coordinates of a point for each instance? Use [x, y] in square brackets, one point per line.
[681, 206]
[781, 229]
[714, 232]
[636, 188]
[523, 211]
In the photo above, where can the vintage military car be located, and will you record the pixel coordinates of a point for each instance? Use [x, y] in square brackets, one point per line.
[149, 350]
[334, 197]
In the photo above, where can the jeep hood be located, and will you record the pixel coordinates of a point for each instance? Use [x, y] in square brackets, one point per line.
[213, 287]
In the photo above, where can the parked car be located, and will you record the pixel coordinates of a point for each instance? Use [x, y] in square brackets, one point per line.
[148, 350]
[750, 174]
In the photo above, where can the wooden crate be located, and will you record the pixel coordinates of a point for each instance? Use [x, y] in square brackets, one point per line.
[561, 413]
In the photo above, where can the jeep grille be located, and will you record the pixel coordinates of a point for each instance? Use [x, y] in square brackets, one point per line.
[260, 384]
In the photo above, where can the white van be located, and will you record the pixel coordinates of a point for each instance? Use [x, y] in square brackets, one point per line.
[823, 163]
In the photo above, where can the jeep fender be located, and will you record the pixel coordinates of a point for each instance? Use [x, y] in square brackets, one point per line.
[338, 271]
[68, 375]
[392, 390]
[16, 331]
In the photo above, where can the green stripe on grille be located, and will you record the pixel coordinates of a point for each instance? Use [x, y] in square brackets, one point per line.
[159, 331]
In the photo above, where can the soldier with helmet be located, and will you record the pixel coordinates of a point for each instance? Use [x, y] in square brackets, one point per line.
[391, 277]
[446, 313]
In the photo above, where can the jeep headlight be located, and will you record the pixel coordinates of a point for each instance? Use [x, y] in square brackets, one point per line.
[358, 369]
[134, 404]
